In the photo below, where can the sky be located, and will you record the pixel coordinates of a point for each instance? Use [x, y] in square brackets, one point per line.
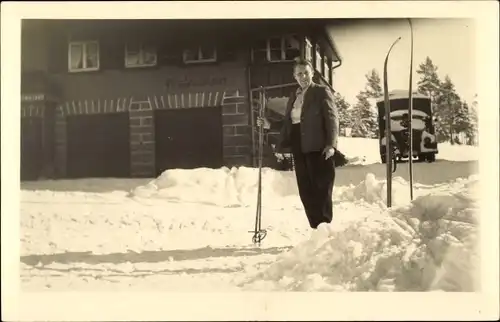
[363, 46]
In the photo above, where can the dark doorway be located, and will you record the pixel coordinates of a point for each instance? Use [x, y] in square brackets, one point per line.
[31, 148]
[188, 138]
[98, 146]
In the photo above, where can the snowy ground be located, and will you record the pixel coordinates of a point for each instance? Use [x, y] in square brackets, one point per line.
[189, 231]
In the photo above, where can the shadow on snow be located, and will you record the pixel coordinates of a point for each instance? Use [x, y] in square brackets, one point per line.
[110, 273]
[149, 256]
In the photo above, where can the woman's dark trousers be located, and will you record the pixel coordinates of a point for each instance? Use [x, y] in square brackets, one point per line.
[315, 179]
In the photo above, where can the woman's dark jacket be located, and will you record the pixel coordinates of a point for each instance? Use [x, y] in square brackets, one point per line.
[319, 121]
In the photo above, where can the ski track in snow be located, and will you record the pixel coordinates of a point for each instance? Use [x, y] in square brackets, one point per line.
[189, 231]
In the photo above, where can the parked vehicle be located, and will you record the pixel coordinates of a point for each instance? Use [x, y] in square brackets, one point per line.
[424, 143]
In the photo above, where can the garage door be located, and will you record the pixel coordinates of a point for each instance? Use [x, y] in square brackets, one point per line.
[188, 138]
[98, 146]
[31, 147]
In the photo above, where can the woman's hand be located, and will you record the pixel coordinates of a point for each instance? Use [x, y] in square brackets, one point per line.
[261, 121]
[328, 152]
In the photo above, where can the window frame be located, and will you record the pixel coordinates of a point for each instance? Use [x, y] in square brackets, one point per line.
[141, 47]
[308, 49]
[199, 60]
[283, 49]
[318, 51]
[326, 66]
[84, 44]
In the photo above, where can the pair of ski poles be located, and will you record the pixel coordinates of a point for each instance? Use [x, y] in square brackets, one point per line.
[259, 234]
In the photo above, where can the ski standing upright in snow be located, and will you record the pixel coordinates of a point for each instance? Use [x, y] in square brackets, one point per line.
[388, 134]
[410, 115]
[259, 234]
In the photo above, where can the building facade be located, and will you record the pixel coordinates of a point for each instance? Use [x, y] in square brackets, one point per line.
[133, 98]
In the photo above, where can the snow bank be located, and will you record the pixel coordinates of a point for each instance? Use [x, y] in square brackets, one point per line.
[457, 152]
[363, 151]
[236, 187]
[374, 191]
[360, 151]
[428, 244]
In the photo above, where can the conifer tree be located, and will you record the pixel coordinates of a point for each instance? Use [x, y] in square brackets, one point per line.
[364, 118]
[373, 87]
[429, 83]
[472, 130]
[373, 91]
[447, 111]
[462, 119]
[345, 120]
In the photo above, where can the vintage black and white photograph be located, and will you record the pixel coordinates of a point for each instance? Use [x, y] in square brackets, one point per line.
[239, 155]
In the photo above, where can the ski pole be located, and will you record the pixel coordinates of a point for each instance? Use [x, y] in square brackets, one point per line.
[259, 233]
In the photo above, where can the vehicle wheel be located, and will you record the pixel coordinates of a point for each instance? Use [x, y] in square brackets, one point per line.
[431, 157]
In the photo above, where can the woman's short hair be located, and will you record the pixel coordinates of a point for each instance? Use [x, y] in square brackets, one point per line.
[302, 62]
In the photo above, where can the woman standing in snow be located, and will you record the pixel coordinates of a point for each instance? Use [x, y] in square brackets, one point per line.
[310, 130]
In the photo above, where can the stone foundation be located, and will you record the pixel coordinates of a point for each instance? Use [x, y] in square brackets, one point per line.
[142, 139]
[237, 141]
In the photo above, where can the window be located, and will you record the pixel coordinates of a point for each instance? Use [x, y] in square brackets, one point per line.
[276, 49]
[291, 48]
[83, 56]
[138, 55]
[200, 54]
[327, 72]
[309, 50]
[326, 67]
[319, 60]
[259, 52]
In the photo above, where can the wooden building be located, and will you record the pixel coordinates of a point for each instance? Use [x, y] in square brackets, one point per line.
[133, 98]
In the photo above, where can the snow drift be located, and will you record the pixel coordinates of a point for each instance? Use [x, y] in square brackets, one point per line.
[205, 215]
[236, 187]
[428, 244]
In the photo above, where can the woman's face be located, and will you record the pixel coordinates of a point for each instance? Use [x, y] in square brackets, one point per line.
[303, 75]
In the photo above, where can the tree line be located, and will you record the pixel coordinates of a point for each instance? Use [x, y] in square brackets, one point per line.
[456, 120]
